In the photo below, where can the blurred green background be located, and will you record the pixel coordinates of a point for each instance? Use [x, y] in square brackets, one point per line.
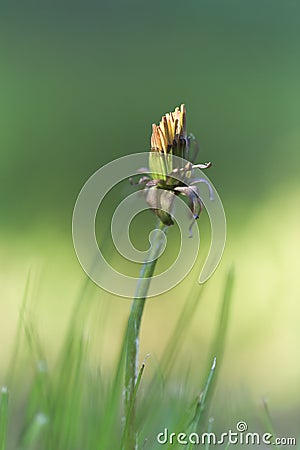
[81, 84]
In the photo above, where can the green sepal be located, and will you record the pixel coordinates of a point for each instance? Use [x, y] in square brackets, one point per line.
[160, 165]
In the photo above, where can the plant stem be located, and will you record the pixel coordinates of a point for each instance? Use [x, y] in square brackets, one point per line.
[132, 336]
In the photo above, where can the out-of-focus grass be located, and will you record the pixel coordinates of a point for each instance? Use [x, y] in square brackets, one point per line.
[69, 405]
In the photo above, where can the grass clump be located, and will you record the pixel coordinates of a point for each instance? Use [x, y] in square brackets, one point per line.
[68, 405]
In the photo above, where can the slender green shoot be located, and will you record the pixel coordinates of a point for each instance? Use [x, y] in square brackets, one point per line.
[113, 401]
[171, 351]
[209, 430]
[3, 417]
[132, 336]
[269, 420]
[201, 404]
[184, 320]
[128, 418]
[219, 342]
[34, 431]
[15, 352]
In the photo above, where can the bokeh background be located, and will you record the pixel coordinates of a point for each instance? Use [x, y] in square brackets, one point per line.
[81, 84]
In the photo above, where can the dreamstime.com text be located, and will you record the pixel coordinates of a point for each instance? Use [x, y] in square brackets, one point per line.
[239, 436]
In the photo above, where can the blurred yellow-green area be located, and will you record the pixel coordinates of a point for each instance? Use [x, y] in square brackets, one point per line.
[81, 84]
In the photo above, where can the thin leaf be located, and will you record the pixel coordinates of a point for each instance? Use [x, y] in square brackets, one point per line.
[33, 432]
[3, 417]
[269, 420]
[133, 399]
[201, 405]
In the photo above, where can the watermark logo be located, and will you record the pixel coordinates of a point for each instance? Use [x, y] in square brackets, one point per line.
[239, 436]
[90, 255]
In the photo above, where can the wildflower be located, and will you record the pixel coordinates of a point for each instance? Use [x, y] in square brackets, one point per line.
[170, 139]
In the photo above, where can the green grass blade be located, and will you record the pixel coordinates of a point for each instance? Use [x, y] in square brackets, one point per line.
[33, 432]
[201, 405]
[128, 418]
[209, 430]
[79, 312]
[220, 337]
[170, 354]
[67, 397]
[180, 328]
[17, 340]
[113, 401]
[219, 342]
[3, 417]
[269, 420]
[38, 396]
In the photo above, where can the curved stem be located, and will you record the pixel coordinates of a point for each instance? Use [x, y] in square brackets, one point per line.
[132, 337]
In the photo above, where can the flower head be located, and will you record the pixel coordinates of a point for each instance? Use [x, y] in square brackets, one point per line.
[169, 139]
